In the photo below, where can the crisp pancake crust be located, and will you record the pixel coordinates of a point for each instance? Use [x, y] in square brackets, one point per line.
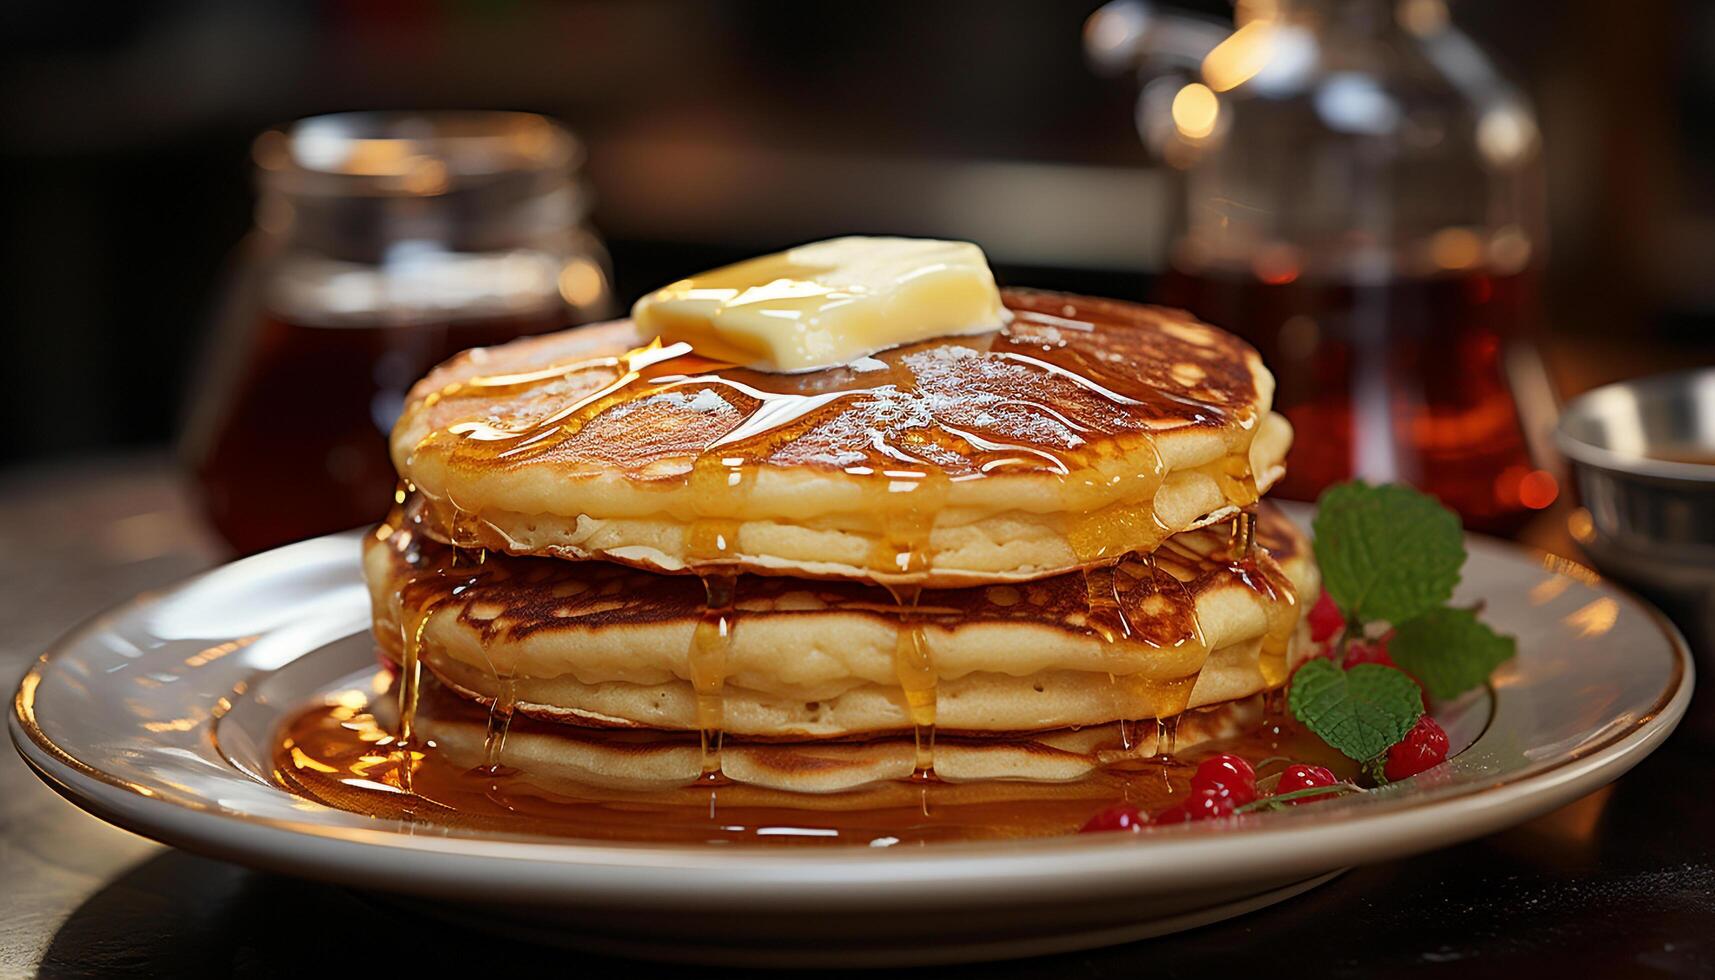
[1084, 430]
[597, 644]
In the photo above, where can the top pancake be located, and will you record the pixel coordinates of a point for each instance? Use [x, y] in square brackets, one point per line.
[1083, 430]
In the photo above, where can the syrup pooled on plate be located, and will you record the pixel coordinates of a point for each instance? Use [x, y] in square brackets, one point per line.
[340, 754]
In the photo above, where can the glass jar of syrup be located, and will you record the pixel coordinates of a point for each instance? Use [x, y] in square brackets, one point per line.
[384, 243]
[1362, 199]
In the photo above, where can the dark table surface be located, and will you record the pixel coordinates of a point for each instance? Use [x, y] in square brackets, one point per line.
[1621, 883]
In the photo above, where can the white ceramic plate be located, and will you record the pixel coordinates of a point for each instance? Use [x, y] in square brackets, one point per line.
[157, 716]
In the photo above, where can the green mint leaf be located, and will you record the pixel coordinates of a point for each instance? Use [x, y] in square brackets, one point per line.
[1387, 552]
[1449, 650]
[1360, 712]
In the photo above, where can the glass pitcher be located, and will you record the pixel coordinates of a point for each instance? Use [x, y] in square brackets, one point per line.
[1362, 199]
[384, 243]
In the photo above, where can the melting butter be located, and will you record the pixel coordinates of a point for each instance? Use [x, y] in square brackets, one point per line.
[828, 303]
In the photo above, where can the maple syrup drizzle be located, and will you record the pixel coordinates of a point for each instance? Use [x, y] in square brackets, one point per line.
[1263, 575]
[711, 647]
[435, 793]
[1079, 367]
[780, 401]
[1108, 534]
[628, 367]
[914, 667]
[1174, 624]
[500, 713]
[774, 410]
[339, 754]
[1109, 621]
[914, 500]
[425, 592]
[712, 548]
[1140, 582]
[411, 670]
[1237, 479]
[1173, 618]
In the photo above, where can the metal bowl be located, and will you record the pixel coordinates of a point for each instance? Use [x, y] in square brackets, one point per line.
[1635, 449]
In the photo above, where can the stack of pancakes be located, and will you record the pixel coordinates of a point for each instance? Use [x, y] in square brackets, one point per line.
[1022, 554]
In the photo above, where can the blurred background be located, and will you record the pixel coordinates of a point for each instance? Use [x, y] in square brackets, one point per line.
[1437, 217]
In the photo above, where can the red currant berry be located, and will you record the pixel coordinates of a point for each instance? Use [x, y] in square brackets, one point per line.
[1228, 774]
[1120, 816]
[1299, 776]
[1202, 804]
[1424, 747]
[1173, 814]
[1325, 619]
[1369, 652]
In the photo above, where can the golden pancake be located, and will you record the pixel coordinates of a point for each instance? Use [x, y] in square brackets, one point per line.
[1084, 430]
[1203, 620]
[567, 757]
[540, 778]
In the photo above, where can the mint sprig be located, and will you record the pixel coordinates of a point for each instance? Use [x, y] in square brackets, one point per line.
[1360, 712]
[1390, 556]
[1278, 801]
[1388, 552]
[1450, 650]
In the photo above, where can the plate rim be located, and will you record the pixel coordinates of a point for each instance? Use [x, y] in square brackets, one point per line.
[1094, 864]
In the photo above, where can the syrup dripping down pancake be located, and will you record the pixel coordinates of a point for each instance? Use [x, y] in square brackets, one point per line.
[642, 786]
[560, 756]
[1084, 430]
[598, 644]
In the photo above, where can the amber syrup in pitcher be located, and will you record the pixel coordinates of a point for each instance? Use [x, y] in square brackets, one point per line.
[384, 243]
[1399, 380]
[299, 445]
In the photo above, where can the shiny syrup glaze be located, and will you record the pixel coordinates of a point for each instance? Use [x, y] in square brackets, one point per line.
[1042, 396]
[1142, 605]
[340, 755]
[1039, 395]
[521, 596]
[1437, 347]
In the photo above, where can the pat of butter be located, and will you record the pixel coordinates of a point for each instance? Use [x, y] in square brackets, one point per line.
[828, 303]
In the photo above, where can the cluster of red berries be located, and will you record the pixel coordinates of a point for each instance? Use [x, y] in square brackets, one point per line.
[1225, 782]
[1325, 620]
[1221, 784]
[1425, 746]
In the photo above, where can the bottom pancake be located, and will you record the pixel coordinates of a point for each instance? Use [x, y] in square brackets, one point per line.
[1203, 621]
[535, 778]
[568, 757]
